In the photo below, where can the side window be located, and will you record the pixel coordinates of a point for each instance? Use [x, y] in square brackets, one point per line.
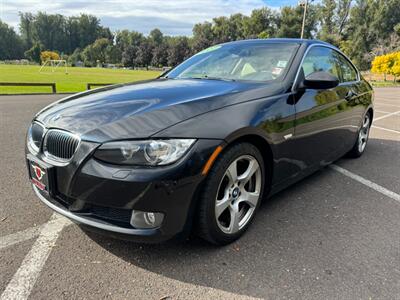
[321, 59]
[348, 71]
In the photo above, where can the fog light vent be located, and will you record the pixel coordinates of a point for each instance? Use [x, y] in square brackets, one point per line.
[143, 219]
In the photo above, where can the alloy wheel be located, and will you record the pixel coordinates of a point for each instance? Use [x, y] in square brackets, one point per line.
[238, 194]
[363, 134]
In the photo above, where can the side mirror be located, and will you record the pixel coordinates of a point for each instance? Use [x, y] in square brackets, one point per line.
[320, 81]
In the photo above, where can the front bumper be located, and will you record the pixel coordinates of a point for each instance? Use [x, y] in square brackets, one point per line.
[101, 196]
[92, 222]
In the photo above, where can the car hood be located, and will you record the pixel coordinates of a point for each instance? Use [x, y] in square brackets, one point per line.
[139, 110]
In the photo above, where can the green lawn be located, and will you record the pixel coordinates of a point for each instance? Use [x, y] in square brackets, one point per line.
[74, 81]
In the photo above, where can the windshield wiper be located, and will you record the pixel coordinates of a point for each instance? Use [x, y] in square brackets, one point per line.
[211, 78]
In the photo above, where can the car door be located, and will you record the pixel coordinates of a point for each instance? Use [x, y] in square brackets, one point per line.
[323, 120]
[353, 90]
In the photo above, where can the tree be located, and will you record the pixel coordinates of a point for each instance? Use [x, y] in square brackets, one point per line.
[226, 29]
[11, 43]
[144, 54]
[328, 27]
[395, 70]
[360, 36]
[96, 52]
[342, 15]
[363, 29]
[290, 20]
[63, 34]
[203, 36]
[397, 29]
[49, 30]
[72, 34]
[160, 55]
[387, 64]
[129, 56]
[89, 30]
[25, 26]
[33, 53]
[126, 38]
[75, 57]
[263, 35]
[235, 23]
[158, 47]
[333, 16]
[391, 44]
[393, 63]
[156, 37]
[260, 20]
[221, 30]
[178, 50]
[113, 54]
[380, 65]
[370, 23]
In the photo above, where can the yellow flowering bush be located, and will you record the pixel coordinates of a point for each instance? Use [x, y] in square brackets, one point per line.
[48, 55]
[387, 64]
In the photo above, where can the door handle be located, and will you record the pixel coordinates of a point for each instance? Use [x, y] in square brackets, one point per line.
[350, 95]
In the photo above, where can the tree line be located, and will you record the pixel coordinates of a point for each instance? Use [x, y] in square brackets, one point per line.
[362, 29]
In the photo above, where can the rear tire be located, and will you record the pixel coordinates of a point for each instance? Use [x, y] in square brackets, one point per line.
[362, 138]
[231, 194]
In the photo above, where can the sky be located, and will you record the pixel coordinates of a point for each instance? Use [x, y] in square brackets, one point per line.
[172, 17]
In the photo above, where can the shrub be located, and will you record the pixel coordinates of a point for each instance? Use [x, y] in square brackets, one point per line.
[387, 64]
[48, 55]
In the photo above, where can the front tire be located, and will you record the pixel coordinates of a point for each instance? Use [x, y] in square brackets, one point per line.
[231, 194]
[362, 138]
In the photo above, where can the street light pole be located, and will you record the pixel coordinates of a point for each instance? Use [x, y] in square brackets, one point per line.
[304, 19]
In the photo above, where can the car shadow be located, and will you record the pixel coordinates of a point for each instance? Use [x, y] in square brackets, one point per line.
[299, 243]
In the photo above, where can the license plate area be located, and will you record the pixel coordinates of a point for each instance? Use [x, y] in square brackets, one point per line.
[39, 175]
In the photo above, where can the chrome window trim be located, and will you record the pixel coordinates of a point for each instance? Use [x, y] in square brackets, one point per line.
[351, 64]
[295, 82]
[49, 158]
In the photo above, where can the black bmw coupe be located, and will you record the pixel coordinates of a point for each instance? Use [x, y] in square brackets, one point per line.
[198, 148]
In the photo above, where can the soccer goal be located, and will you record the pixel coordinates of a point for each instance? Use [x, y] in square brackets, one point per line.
[54, 64]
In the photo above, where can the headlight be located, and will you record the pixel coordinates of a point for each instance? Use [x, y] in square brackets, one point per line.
[144, 153]
[35, 136]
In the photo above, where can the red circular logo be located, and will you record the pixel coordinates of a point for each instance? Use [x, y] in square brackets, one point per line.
[38, 172]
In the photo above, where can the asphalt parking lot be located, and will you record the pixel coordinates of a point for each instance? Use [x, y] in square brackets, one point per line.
[334, 235]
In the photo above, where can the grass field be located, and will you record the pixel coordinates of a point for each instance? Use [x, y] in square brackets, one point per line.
[77, 78]
[74, 81]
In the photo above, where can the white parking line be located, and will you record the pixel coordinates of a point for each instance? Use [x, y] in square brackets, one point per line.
[388, 115]
[385, 104]
[387, 100]
[19, 237]
[24, 279]
[367, 182]
[387, 129]
[382, 111]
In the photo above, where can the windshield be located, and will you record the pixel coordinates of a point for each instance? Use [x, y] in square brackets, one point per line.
[254, 62]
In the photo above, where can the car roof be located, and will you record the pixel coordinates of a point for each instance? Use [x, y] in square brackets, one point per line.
[279, 40]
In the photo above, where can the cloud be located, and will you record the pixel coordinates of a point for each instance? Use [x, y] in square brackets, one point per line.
[141, 24]
[171, 16]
